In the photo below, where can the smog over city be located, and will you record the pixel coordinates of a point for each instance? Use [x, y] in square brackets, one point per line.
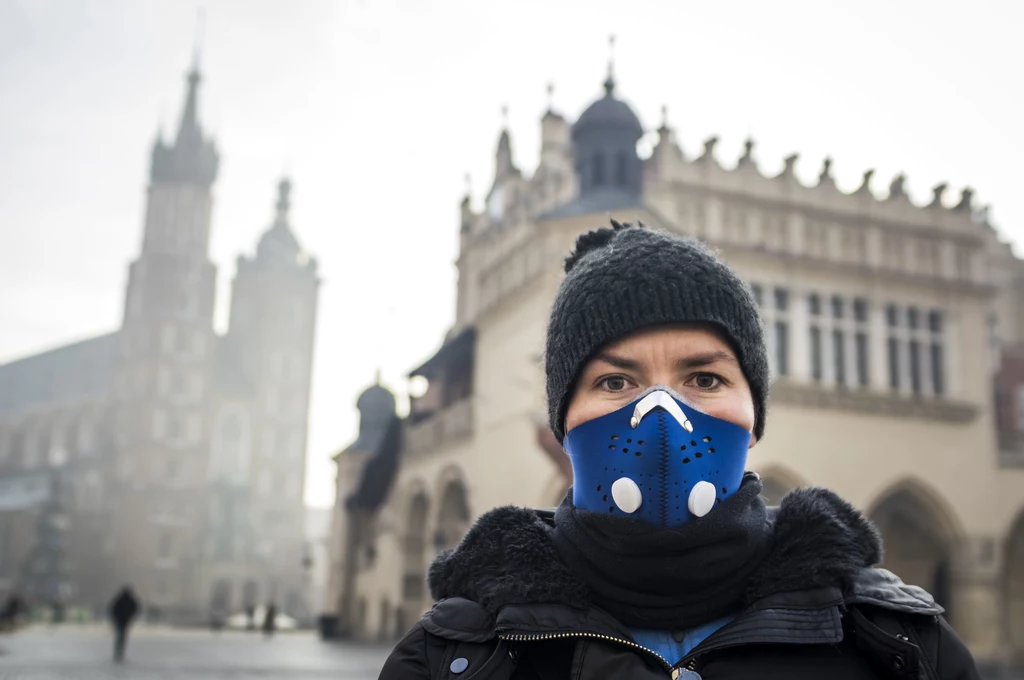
[313, 312]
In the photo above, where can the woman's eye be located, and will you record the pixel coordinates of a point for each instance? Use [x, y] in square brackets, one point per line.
[615, 383]
[707, 381]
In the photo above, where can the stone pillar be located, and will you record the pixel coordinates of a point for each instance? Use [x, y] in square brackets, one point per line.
[799, 343]
[976, 588]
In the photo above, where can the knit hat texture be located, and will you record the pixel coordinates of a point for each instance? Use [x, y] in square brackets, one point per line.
[622, 279]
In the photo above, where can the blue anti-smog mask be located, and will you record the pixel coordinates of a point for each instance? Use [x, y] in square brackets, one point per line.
[658, 459]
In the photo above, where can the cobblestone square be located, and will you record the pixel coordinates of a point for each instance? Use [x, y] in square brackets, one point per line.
[72, 653]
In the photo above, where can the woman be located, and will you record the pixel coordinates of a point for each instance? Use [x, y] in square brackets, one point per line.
[663, 561]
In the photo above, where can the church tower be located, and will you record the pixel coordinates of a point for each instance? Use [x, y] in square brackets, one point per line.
[164, 356]
[272, 324]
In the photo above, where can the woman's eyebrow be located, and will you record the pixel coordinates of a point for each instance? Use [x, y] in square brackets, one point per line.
[621, 363]
[704, 359]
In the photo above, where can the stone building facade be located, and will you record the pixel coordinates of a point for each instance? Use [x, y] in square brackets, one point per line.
[184, 449]
[895, 333]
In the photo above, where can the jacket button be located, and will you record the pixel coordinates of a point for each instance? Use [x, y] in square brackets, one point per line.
[459, 665]
[898, 662]
[684, 674]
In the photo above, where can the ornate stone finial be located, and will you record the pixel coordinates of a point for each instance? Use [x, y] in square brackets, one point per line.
[609, 82]
[938, 191]
[551, 96]
[865, 182]
[748, 153]
[709, 148]
[790, 162]
[284, 191]
[825, 176]
[896, 189]
[966, 199]
[664, 117]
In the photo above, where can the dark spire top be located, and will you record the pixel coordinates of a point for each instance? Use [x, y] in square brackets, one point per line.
[938, 191]
[284, 191]
[192, 159]
[609, 82]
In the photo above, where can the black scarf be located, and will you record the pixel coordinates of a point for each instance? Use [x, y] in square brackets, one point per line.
[650, 577]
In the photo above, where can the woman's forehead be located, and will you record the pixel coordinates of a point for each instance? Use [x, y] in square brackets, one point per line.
[678, 337]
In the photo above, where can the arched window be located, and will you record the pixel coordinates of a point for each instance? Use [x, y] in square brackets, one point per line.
[620, 169]
[597, 169]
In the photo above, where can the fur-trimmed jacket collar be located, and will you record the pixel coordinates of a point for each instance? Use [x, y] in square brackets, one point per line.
[508, 557]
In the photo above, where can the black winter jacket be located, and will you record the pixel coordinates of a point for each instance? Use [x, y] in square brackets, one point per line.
[509, 609]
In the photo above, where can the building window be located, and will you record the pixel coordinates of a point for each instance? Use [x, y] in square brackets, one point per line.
[814, 304]
[837, 307]
[839, 355]
[892, 316]
[781, 348]
[758, 294]
[894, 363]
[620, 169]
[597, 169]
[816, 368]
[781, 300]
[936, 353]
[861, 341]
[860, 310]
[915, 366]
[775, 317]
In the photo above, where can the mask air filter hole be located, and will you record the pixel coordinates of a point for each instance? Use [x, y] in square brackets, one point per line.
[723, 490]
[693, 443]
[683, 447]
[707, 439]
[686, 460]
[711, 449]
[615, 437]
[611, 447]
[629, 441]
[598, 487]
[640, 443]
[699, 454]
[624, 450]
[639, 453]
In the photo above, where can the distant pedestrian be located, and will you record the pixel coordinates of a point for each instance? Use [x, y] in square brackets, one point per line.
[270, 620]
[123, 610]
[250, 617]
[11, 613]
[58, 612]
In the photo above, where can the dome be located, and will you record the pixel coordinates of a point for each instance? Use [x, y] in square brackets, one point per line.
[610, 112]
[376, 400]
[278, 244]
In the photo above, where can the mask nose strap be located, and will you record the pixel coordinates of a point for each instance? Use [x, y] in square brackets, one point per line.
[664, 400]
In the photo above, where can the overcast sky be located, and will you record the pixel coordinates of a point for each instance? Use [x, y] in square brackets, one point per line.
[377, 108]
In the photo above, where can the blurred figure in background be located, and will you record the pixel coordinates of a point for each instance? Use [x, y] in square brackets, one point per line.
[270, 620]
[250, 617]
[10, 616]
[123, 610]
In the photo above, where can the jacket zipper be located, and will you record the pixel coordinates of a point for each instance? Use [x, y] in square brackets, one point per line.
[517, 637]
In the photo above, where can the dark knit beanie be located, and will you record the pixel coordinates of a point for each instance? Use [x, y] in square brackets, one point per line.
[625, 278]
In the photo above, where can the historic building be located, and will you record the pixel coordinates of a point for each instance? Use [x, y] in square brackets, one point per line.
[182, 451]
[889, 324]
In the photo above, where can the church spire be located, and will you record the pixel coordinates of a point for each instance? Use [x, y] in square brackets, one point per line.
[609, 82]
